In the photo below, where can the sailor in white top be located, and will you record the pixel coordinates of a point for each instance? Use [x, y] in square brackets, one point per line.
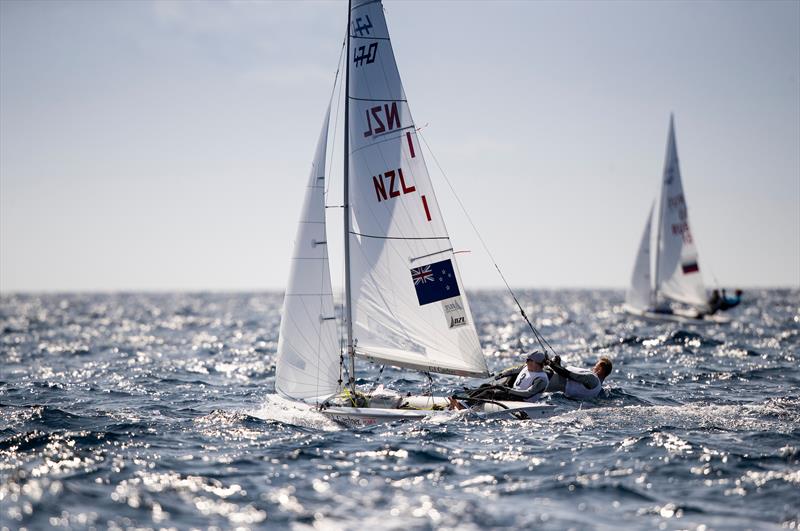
[579, 383]
[532, 380]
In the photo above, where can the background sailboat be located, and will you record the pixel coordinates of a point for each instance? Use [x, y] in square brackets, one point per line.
[677, 276]
[404, 301]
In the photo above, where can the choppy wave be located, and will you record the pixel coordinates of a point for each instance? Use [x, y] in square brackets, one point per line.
[158, 411]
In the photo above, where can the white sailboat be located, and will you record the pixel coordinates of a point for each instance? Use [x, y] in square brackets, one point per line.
[404, 301]
[677, 276]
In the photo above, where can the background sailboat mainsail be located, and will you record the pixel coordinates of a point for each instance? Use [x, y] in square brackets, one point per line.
[408, 303]
[677, 265]
[307, 366]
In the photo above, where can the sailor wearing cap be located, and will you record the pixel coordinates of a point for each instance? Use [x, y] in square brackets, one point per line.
[532, 380]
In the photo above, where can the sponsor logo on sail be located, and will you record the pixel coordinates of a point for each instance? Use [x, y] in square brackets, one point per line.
[455, 312]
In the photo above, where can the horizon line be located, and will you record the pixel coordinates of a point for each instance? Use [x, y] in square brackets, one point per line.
[276, 291]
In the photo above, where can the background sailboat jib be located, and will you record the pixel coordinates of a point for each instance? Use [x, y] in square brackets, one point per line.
[639, 294]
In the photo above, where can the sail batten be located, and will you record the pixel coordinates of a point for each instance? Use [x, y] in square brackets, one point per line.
[400, 237]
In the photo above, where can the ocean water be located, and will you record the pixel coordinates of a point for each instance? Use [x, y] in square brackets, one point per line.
[157, 411]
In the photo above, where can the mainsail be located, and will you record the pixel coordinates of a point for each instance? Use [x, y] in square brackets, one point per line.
[677, 267]
[307, 366]
[408, 304]
[638, 295]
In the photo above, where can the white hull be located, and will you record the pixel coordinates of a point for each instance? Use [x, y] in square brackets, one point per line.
[369, 416]
[678, 316]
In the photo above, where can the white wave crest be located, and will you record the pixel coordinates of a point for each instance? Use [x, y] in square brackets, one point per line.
[275, 407]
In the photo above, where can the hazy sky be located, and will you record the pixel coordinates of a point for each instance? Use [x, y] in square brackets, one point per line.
[166, 145]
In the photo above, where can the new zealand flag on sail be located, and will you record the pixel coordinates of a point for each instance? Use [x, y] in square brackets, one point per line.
[435, 282]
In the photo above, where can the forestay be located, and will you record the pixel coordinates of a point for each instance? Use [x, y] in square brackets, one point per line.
[409, 307]
[678, 270]
[307, 366]
[639, 293]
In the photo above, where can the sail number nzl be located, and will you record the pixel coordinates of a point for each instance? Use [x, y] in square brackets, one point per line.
[385, 113]
[380, 182]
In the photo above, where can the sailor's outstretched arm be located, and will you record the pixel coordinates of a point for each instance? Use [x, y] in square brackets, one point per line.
[561, 371]
[588, 380]
[505, 373]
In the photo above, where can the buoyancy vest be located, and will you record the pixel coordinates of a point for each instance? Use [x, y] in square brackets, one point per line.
[525, 380]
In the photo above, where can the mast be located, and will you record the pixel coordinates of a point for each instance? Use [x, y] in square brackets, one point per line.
[347, 305]
[660, 215]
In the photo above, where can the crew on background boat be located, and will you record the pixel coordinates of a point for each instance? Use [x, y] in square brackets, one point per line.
[729, 302]
[721, 303]
[576, 382]
[528, 386]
